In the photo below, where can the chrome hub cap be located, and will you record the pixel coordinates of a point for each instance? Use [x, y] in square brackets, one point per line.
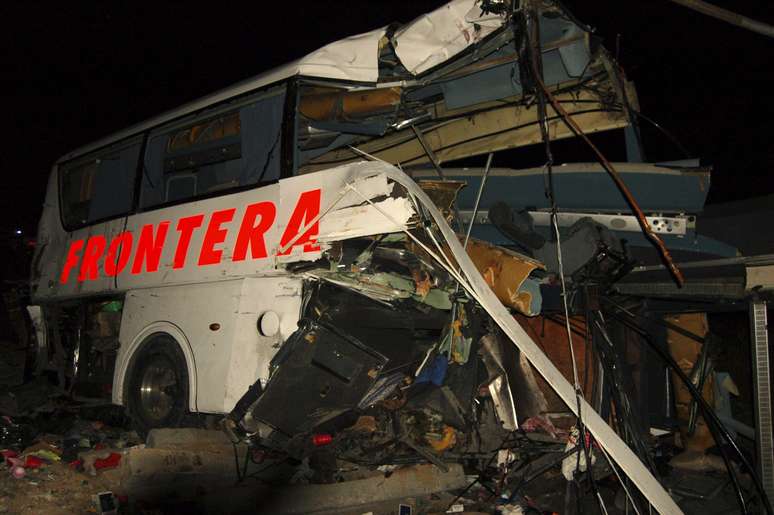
[158, 388]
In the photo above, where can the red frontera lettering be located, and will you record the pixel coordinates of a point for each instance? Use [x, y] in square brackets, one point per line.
[71, 261]
[94, 254]
[185, 226]
[149, 248]
[252, 234]
[307, 209]
[209, 255]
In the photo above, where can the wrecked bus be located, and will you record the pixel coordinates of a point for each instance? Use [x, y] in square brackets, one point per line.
[265, 255]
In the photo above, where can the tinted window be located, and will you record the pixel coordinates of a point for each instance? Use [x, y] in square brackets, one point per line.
[214, 152]
[99, 186]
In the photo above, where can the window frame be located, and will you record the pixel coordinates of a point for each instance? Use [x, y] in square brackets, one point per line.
[212, 112]
[62, 168]
[286, 140]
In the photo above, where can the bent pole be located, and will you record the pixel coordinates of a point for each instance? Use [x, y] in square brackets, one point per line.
[728, 16]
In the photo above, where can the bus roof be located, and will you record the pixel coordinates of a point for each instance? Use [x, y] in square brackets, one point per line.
[424, 43]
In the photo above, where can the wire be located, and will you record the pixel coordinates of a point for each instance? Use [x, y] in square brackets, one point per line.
[608, 166]
[532, 40]
[715, 425]
[671, 137]
[621, 481]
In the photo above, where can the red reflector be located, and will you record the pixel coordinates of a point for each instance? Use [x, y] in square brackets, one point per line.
[321, 439]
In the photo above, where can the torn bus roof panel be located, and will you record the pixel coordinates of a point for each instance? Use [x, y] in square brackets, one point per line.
[420, 45]
[353, 58]
[473, 102]
[438, 36]
[492, 126]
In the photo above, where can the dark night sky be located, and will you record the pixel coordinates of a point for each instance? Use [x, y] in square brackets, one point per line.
[74, 72]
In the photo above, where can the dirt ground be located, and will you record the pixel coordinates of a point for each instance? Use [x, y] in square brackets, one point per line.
[57, 460]
[53, 489]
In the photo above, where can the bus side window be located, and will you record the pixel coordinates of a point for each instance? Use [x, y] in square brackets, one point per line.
[214, 153]
[99, 187]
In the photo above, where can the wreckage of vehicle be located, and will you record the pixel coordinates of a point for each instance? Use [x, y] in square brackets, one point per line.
[296, 255]
[384, 365]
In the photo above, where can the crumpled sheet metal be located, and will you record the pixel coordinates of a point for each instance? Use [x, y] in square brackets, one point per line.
[422, 44]
[344, 213]
[511, 378]
[443, 194]
[353, 58]
[505, 272]
[437, 36]
[618, 450]
[499, 386]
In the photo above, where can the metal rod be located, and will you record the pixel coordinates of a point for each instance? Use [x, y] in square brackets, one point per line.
[478, 198]
[764, 426]
[728, 16]
[429, 151]
[760, 260]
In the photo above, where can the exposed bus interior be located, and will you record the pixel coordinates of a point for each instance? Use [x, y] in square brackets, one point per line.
[83, 342]
[477, 103]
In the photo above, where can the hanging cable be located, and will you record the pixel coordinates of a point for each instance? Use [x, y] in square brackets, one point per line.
[716, 427]
[715, 434]
[531, 38]
[608, 166]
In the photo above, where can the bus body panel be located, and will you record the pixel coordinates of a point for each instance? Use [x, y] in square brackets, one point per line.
[232, 236]
[214, 221]
[179, 269]
[217, 326]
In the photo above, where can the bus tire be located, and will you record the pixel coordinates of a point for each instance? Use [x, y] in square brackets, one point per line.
[157, 393]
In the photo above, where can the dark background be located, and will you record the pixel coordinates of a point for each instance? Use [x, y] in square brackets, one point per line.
[75, 72]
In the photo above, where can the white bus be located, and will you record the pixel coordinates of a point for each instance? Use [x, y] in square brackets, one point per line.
[256, 253]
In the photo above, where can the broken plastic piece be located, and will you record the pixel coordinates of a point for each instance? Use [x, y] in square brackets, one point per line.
[18, 472]
[110, 462]
[435, 372]
[506, 272]
[33, 462]
[447, 440]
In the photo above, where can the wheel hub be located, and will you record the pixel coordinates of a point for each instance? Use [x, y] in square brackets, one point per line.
[158, 388]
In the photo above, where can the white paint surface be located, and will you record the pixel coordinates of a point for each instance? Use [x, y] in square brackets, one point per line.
[438, 36]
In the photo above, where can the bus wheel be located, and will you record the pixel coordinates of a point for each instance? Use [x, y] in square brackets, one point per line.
[158, 386]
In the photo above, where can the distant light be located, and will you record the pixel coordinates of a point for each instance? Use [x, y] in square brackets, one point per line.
[18, 232]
